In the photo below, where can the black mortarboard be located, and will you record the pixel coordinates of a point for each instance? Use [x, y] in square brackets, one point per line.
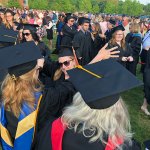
[101, 93]
[112, 21]
[80, 20]
[65, 51]
[31, 27]
[7, 35]
[2, 11]
[19, 59]
[120, 27]
[3, 73]
[69, 17]
[85, 20]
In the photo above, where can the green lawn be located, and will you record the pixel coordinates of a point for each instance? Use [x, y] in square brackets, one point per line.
[134, 98]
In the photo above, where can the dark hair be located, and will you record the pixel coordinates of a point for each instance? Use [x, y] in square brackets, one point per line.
[48, 19]
[34, 36]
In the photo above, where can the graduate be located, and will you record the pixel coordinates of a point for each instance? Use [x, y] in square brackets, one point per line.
[68, 30]
[84, 40]
[21, 93]
[118, 39]
[97, 118]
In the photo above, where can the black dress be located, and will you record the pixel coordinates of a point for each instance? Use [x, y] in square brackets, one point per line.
[135, 41]
[86, 49]
[74, 141]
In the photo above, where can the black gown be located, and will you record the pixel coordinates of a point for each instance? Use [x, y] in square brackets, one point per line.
[56, 95]
[68, 34]
[74, 141]
[123, 52]
[135, 41]
[86, 49]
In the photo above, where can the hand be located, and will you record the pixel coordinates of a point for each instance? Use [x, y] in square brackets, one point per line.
[40, 63]
[130, 58]
[124, 59]
[105, 54]
[108, 53]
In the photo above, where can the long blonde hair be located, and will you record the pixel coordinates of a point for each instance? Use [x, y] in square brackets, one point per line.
[15, 92]
[113, 40]
[113, 121]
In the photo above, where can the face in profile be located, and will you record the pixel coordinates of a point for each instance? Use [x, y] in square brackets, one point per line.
[27, 35]
[66, 63]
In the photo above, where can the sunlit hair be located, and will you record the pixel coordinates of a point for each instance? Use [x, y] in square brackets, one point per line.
[15, 92]
[97, 29]
[6, 23]
[135, 27]
[113, 40]
[113, 121]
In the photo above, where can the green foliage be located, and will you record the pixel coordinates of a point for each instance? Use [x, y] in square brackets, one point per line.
[111, 6]
[146, 9]
[40, 4]
[130, 7]
[13, 3]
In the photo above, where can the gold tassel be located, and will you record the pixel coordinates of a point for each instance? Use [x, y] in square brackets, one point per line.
[80, 67]
[13, 77]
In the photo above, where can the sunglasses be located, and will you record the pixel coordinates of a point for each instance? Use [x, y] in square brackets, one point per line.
[66, 63]
[26, 34]
[71, 20]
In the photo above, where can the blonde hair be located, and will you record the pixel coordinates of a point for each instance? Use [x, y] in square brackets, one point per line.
[113, 121]
[113, 40]
[15, 92]
[135, 27]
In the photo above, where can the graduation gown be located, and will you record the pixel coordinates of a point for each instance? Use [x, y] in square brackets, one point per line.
[68, 34]
[56, 95]
[75, 141]
[18, 133]
[123, 52]
[85, 43]
[98, 44]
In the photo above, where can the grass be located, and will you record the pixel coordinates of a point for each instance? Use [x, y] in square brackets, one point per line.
[133, 98]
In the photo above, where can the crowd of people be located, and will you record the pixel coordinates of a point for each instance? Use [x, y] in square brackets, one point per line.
[74, 102]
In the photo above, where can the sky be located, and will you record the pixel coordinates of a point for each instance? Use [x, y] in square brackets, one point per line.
[144, 1]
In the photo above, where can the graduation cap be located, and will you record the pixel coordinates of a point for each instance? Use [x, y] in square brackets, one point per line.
[101, 83]
[83, 20]
[31, 27]
[120, 27]
[2, 11]
[19, 59]
[8, 35]
[65, 51]
[112, 21]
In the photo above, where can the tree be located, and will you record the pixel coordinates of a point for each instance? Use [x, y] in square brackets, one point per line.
[111, 6]
[13, 3]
